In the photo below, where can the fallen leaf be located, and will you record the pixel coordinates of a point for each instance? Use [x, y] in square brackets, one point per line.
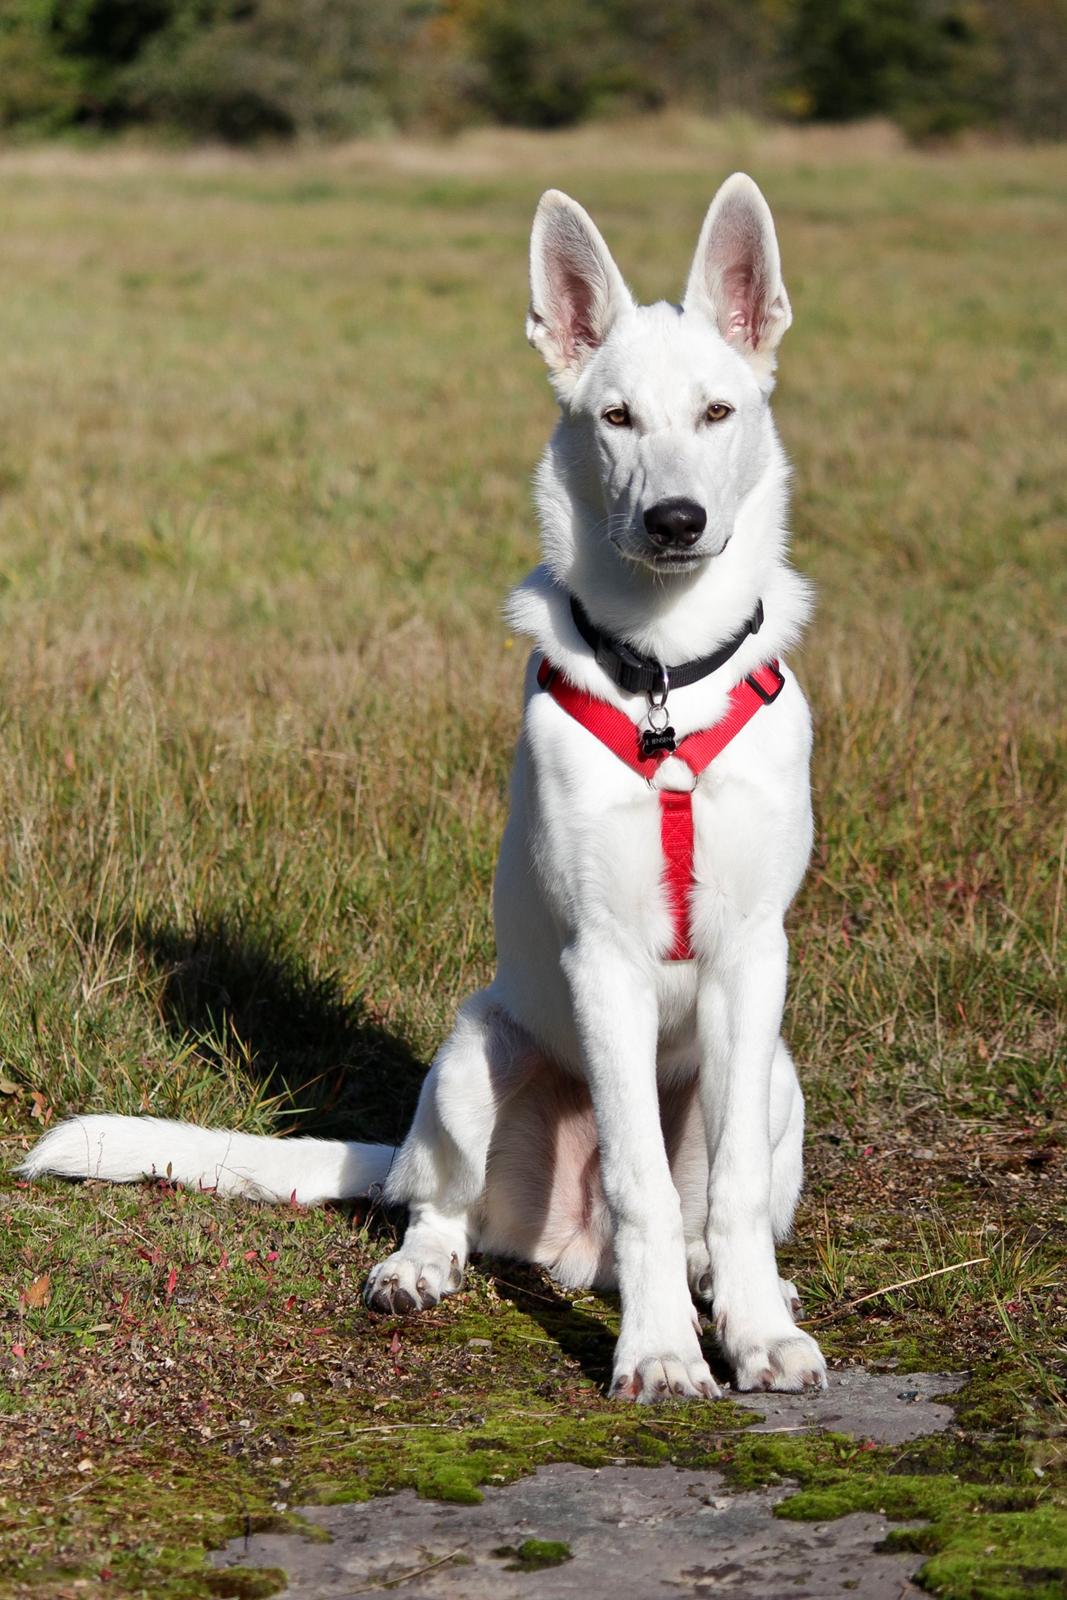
[38, 1294]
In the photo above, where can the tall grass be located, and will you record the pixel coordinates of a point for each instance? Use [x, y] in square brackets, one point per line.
[266, 431]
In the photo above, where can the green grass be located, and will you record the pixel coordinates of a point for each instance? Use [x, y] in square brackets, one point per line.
[266, 430]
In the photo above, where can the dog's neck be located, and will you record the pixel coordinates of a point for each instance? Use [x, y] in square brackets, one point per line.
[672, 618]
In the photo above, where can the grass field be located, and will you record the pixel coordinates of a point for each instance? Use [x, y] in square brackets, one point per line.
[266, 429]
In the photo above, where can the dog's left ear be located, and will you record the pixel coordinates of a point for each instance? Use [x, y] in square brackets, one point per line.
[736, 276]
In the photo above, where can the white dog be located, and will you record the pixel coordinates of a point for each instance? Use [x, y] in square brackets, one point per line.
[618, 1104]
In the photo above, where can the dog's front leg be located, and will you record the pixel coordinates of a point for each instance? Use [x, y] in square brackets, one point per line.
[658, 1354]
[739, 1012]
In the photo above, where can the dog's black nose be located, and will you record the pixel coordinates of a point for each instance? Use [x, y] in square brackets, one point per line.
[675, 523]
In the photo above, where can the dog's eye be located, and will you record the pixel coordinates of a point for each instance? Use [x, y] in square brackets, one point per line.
[718, 412]
[617, 416]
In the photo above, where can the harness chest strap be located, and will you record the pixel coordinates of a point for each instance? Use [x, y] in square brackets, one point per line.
[698, 750]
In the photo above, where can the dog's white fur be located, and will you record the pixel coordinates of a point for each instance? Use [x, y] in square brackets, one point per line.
[619, 1118]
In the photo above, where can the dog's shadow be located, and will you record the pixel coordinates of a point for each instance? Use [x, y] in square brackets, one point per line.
[585, 1336]
[582, 1336]
[335, 1070]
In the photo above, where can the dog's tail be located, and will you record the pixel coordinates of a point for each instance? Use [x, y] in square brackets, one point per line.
[127, 1149]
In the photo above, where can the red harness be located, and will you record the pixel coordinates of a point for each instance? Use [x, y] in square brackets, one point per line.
[698, 750]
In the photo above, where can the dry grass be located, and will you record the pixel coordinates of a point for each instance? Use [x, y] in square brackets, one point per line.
[265, 439]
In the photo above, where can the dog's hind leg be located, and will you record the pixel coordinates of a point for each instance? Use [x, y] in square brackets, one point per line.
[439, 1171]
[787, 1142]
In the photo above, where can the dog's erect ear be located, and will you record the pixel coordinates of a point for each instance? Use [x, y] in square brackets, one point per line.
[576, 290]
[736, 276]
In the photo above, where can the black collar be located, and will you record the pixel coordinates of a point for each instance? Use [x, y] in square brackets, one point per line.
[637, 674]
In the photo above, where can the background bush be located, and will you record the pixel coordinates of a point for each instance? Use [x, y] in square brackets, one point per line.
[246, 69]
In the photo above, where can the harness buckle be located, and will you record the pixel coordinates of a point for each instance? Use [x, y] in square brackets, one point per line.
[768, 696]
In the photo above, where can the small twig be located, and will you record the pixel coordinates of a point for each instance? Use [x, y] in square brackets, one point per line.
[406, 1577]
[85, 1487]
[127, 1227]
[905, 1283]
[550, 1300]
[387, 1427]
[799, 1427]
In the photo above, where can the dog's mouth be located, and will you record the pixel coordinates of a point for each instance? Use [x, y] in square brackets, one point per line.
[670, 560]
[653, 560]
[683, 560]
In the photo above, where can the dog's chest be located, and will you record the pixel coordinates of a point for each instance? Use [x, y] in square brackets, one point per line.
[596, 840]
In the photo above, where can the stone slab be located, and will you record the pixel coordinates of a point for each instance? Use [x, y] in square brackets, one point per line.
[632, 1531]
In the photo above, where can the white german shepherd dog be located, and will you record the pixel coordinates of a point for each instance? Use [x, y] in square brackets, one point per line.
[618, 1104]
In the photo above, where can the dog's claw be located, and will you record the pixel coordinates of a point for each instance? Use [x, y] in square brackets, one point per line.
[787, 1365]
[658, 1378]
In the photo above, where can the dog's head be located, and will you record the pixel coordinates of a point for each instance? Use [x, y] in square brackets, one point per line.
[663, 407]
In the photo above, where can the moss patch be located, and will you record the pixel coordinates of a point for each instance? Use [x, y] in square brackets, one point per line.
[991, 1529]
[534, 1554]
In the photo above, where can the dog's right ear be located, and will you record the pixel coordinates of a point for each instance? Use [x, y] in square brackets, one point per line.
[576, 290]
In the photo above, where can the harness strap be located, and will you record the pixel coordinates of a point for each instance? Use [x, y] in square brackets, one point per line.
[676, 839]
[698, 750]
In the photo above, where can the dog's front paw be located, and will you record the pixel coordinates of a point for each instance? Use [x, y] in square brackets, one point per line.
[406, 1283]
[789, 1364]
[651, 1379]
